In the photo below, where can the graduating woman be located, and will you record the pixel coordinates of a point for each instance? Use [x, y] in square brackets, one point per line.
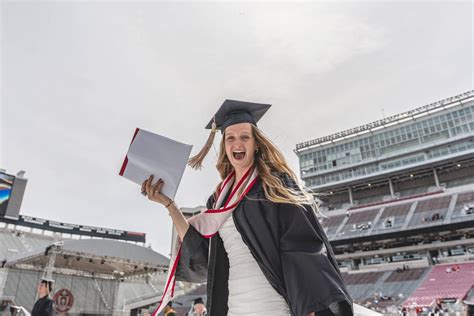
[259, 245]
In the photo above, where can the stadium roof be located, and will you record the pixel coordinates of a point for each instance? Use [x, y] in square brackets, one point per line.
[389, 121]
[95, 256]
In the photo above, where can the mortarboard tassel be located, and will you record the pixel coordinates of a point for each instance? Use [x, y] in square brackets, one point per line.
[196, 161]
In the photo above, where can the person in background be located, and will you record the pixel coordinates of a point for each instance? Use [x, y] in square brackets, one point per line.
[169, 311]
[44, 306]
[199, 309]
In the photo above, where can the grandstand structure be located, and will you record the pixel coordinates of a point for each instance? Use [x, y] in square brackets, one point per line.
[398, 200]
[97, 271]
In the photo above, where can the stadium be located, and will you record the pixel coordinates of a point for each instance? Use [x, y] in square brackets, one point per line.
[397, 204]
[398, 199]
[97, 271]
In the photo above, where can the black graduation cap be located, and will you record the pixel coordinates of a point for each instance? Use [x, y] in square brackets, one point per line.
[48, 281]
[170, 303]
[234, 112]
[231, 112]
[198, 301]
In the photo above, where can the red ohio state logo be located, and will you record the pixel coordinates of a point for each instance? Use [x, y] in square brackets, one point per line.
[63, 300]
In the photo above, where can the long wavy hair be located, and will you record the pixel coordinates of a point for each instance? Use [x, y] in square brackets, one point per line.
[270, 163]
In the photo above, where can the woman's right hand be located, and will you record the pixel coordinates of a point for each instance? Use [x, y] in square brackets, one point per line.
[153, 192]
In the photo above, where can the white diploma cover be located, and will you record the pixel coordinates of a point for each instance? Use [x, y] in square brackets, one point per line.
[153, 154]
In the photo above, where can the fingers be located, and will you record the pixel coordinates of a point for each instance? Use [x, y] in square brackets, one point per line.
[143, 187]
[157, 187]
[148, 187]
[152, 191]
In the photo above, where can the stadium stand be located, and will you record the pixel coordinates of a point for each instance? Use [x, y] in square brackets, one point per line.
[430, 211]
[393, 217]
[359, 222]
[443, 281]
[332, 223]
[398, 197]
[382, 289]
[104, 276]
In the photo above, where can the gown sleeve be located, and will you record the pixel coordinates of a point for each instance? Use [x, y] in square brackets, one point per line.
[193, 263]
[311, 275]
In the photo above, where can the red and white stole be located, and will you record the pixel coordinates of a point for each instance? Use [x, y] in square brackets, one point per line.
[208, 223]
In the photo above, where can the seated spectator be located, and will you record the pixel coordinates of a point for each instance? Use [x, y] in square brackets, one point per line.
[404, 311]
[385, 298]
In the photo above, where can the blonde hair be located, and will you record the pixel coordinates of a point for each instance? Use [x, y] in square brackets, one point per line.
[270, 163]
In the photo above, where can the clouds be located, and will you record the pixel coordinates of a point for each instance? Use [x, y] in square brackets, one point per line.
[315, 38]
[77, 78]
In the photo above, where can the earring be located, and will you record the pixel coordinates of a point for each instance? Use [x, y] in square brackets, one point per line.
[256, 151]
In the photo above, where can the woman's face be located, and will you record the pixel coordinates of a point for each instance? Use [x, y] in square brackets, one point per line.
[240, 145]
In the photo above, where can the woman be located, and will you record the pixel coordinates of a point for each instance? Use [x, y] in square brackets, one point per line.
[259, 246]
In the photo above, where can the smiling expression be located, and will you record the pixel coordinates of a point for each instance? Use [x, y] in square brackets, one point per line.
[240, 145]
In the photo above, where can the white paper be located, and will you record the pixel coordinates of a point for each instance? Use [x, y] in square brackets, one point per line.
[152, 154]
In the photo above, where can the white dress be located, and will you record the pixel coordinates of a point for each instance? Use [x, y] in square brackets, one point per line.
[250, 293]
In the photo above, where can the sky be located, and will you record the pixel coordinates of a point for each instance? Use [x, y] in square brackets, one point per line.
[77, 78]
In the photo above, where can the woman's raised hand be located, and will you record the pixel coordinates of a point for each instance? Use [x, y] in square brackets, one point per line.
[153, 192]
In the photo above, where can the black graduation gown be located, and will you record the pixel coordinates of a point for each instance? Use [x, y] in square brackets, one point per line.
[290, 247]
[43, 307]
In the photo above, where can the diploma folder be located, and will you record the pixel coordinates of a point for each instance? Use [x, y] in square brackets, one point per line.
[153, 154]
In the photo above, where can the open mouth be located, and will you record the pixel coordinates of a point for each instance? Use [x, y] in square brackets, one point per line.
[238, 155]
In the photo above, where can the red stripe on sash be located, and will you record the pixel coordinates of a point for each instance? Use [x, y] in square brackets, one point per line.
[237, 202]
[246, 175]
[221, 187]
[173, 271]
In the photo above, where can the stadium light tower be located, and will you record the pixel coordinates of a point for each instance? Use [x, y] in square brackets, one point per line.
[52, 251]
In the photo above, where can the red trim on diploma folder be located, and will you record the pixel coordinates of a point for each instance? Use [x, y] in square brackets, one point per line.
[125, 161]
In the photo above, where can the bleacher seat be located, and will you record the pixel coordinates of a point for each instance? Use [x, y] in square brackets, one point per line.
[426, 209]
[398, 212]
[367, 287]
[462, 200]
[358, 218]
[332, 223]
[442, 284]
